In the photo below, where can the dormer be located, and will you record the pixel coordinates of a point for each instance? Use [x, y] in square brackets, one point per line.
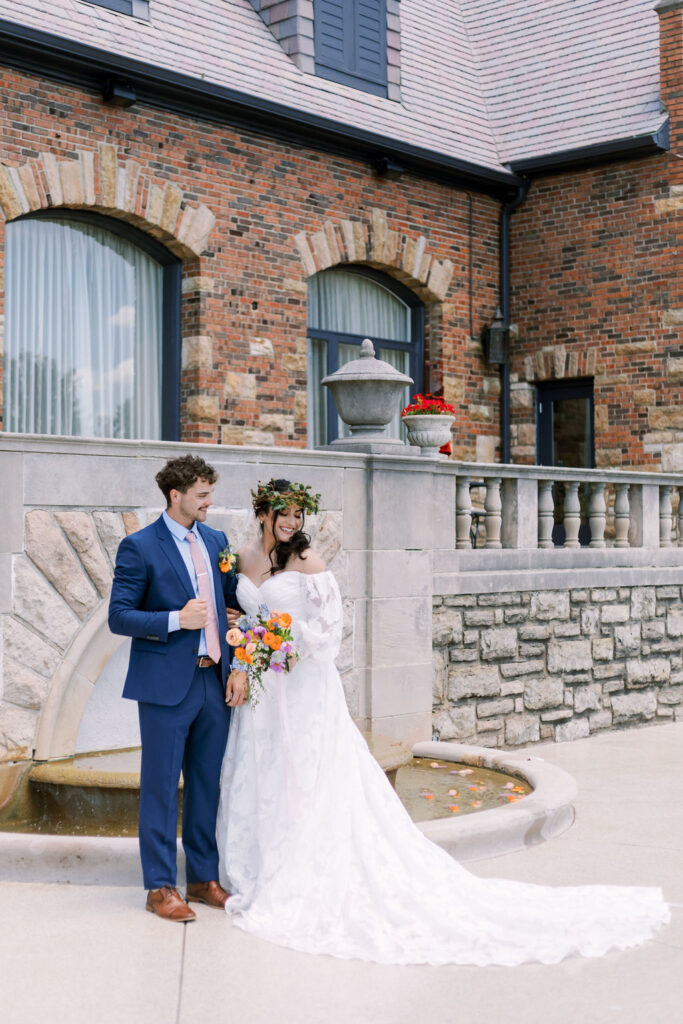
[354, 42]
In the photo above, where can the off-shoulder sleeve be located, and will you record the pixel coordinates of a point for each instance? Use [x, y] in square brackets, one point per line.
[317, 634]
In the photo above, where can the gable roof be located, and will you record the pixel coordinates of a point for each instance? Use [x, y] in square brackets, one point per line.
[561, 76]
[484, 83]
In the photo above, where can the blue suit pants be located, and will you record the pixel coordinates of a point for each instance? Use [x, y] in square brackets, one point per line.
[190, 736]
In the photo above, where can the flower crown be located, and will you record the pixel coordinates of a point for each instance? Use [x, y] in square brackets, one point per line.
[296, 494]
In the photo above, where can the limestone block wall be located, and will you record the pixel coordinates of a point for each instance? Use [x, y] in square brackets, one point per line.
[61, 586]
[518, 667]
[66, 504]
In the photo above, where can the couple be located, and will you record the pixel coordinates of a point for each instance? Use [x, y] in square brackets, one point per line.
[313, 843]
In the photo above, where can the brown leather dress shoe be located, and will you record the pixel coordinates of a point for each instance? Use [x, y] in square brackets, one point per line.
[206, 892]
[167, 902]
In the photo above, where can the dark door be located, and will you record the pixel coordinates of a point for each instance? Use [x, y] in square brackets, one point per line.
[565, 437]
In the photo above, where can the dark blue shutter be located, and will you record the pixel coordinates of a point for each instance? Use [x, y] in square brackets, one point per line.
[351, 42]
[371, 40]
[330, 18]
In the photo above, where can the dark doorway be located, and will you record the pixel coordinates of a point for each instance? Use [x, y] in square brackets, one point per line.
[565, 437]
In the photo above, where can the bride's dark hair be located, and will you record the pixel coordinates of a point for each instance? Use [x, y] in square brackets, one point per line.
[299, 541]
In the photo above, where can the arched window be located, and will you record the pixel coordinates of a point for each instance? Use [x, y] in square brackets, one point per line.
[92, 342]
[345, 306]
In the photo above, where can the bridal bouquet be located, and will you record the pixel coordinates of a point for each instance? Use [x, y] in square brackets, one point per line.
[262, 642]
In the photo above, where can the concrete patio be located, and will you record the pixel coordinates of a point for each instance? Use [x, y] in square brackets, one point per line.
[73, 954]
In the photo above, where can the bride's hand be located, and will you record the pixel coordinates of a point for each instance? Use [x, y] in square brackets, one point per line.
[236, 689]
[233, 615]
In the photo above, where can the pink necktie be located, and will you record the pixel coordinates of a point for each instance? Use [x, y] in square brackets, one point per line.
[213, 644]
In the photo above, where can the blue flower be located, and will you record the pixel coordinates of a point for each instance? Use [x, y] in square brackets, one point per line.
[277, 658]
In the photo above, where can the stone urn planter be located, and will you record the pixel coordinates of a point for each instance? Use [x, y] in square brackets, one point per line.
[367, 393]
[429, 431]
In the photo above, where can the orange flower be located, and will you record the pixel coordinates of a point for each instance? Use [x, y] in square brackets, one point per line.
[276, 642]
[285, 620]
[241, 654]
[268, 639]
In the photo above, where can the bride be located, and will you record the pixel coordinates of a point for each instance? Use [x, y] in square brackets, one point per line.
[316, 846]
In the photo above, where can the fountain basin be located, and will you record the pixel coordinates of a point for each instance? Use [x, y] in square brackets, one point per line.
[545, 813]
[114, 860]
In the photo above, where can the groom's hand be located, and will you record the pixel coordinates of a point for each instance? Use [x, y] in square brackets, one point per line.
[193, 615]
[236, 689]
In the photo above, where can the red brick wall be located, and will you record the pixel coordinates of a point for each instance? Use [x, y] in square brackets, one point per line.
[595, 286]
[595, 272]
[245, 295]
[597, 291]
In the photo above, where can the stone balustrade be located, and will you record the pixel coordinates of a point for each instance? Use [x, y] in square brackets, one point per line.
[548, 507]
[559, 612]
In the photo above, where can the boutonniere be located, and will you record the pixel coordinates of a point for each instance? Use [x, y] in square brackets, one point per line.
[226, 560]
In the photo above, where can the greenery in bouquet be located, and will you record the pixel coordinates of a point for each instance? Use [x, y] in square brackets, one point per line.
[262, 642]
[428, 405]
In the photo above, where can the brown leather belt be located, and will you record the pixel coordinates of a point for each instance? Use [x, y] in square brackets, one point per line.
[206, 662]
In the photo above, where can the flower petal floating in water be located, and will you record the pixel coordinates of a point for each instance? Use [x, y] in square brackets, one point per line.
[435, 764]
[508, 785]
[466, 771]
[453, 808]
[476, 803]
[453, 792]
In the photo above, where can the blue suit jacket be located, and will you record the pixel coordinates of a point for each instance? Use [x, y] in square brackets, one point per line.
[150, 580]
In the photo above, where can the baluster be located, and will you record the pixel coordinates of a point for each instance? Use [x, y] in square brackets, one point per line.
[572, 514]
[597, 515]
[463, 512]
[665, 517]
[680, 517]
[546, 513]
[622, 516]
[493, 507]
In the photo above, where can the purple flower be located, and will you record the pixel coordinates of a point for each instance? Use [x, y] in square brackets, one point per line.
[276, 667]
[286, 648]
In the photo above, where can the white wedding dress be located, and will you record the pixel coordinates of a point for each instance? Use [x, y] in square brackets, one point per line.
[322, 856]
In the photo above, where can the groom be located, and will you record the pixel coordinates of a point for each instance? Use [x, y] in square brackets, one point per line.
[170, 597]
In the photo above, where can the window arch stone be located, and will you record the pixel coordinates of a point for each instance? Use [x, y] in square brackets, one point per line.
[376, 244]
[105, 183]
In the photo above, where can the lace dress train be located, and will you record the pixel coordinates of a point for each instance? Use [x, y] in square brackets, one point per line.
[322, 856]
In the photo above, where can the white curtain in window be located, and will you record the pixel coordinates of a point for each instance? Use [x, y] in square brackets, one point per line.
[352, 304]
[83, 332]
[348, 303]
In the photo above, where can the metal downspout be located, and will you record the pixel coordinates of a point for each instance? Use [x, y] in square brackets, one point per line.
[516, 200]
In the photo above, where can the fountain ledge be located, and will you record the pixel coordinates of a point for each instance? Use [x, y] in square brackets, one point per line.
[543, 814]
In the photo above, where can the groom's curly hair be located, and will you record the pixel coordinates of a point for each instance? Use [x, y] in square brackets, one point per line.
[179, 475]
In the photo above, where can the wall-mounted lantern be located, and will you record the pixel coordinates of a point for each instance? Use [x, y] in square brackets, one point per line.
[496, 340]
